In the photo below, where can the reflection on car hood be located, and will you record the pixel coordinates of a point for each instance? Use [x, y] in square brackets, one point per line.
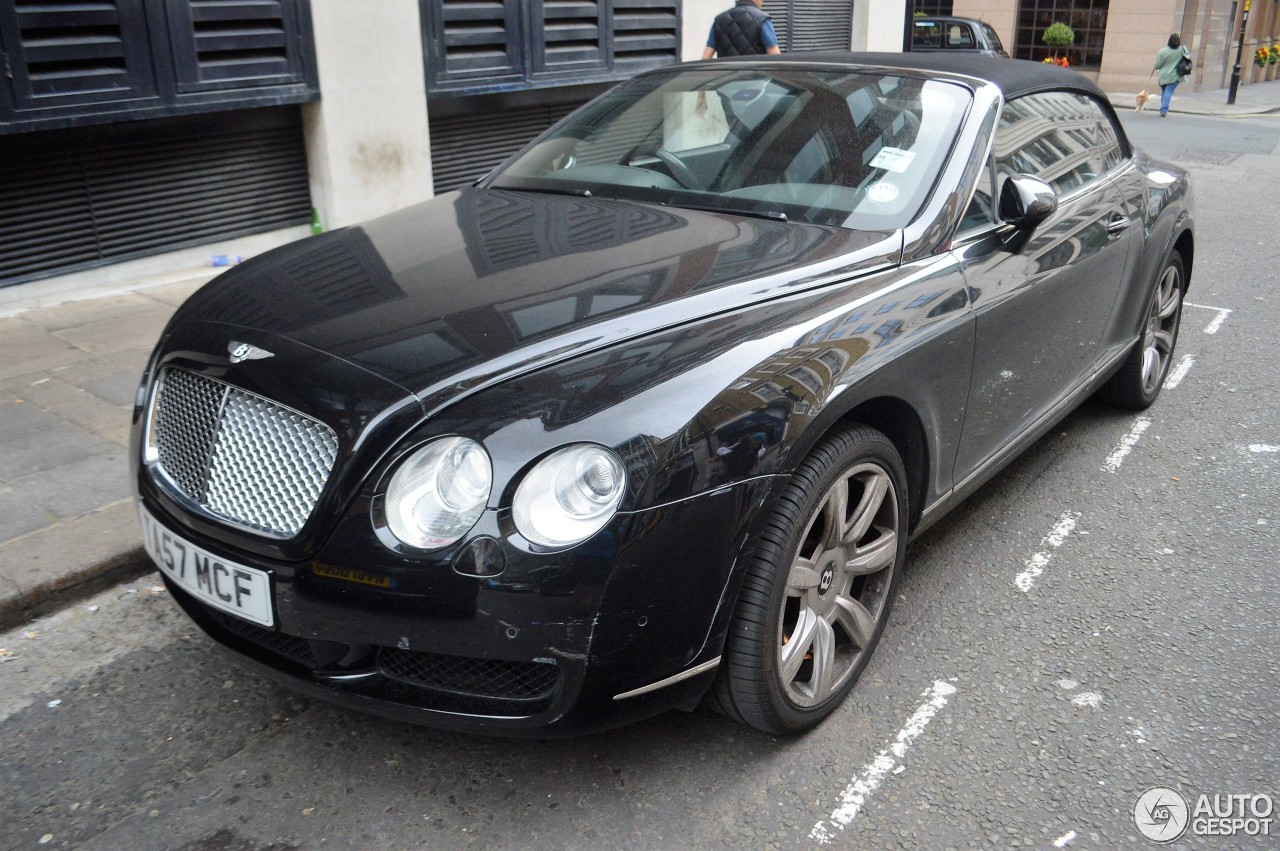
[476, 286]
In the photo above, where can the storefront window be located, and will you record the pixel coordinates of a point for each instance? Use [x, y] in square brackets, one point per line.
[1087, 17]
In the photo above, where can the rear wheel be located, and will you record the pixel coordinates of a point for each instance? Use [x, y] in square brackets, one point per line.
[1138, 382]
[818, 591]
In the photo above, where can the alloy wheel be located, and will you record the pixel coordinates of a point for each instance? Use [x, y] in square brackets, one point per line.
[1162, 329]
[837, 586]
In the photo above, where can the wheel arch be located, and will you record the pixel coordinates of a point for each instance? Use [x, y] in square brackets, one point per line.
[898, 421]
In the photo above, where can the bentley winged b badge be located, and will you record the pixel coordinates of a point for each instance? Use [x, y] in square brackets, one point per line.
[244, 351]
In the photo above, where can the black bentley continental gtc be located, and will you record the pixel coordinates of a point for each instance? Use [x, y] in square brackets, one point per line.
[647, 416]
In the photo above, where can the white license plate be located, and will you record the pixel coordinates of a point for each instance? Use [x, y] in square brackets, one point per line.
[235, 588]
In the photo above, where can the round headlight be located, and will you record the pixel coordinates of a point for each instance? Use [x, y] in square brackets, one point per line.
[570, 495]
[439, 492]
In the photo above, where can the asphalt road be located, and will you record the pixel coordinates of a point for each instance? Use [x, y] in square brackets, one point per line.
[1098, 620]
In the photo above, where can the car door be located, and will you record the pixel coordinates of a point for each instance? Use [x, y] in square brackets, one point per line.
[1042, 303]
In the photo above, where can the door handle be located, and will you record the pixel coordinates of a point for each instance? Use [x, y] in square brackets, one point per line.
[1117, 224]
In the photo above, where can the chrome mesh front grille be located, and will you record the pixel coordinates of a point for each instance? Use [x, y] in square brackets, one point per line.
[238, 456]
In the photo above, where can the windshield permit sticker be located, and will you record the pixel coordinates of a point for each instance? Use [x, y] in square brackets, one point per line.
[882, 193]
[893, 159]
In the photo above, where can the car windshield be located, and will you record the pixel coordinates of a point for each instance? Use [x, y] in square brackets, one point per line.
[846, 148]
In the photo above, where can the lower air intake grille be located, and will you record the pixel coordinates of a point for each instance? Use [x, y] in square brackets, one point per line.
[238, 456]
[463, 675]
[289, 646]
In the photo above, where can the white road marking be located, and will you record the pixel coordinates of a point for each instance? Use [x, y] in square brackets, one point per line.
[1263, 447]
[1179, 372]
[1087, 698]
[873, 774]
[1117, 456]
[1065, 839]
[1216, 322]
[1037, 563]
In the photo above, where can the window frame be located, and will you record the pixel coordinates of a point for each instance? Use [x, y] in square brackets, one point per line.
[1105, 121]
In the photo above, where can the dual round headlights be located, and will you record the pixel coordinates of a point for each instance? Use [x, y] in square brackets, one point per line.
[439, 492]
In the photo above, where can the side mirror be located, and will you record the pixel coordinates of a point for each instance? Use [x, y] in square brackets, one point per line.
[1026, 201]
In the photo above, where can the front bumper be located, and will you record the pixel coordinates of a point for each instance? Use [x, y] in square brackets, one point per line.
[542, 649]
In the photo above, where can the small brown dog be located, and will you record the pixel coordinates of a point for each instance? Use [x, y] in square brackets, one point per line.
[1141, 100]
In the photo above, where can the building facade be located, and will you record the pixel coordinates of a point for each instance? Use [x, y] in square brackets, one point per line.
[1117, 40]
[129, 128]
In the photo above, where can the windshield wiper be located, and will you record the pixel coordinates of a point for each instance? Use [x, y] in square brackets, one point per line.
[546, 190]
[771, 215]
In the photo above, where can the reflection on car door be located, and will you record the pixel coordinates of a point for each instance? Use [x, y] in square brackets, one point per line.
[1042, 307]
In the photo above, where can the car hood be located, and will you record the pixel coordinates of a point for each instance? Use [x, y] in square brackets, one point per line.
[473, 287]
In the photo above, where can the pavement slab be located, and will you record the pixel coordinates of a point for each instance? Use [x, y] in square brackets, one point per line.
[38, 348]
[68, 559]
[60, 400]
[52, 448]
[117, 334]
[19, 514]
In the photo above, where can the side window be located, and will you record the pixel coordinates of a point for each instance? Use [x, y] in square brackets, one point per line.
[1111, 150]
[814, 162]
[1052, 136]
[692, 120]
[981, 212]
[960, 36]
[926, 34]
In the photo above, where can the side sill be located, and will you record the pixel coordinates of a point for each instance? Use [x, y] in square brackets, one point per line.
[935, 512]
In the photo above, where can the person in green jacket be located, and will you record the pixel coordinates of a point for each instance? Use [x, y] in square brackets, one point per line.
[1167, 65]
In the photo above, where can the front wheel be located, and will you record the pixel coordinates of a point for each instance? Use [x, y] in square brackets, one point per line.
[818, 591]
[1138, 382]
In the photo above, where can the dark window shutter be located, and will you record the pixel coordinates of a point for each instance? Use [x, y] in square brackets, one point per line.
[234, 43]
[645, 33]
[780, 12]
[811, 24]
[466, 147]
[821, 25]
[568, 35]
[472, 39]
[486, 46]
[146, 187]
[61, 53]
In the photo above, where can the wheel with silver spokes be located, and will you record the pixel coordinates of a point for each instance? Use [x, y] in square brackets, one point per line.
[1140, 378]
[818, 592]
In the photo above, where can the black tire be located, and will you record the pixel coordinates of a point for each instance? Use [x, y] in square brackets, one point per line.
[1137, 385]
[807, 571]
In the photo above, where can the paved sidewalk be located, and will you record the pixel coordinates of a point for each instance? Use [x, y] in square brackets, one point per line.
[1255, 99]
[68, 375]
[71, 353]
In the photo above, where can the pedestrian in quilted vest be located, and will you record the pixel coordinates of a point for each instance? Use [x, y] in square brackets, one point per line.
[744, 30]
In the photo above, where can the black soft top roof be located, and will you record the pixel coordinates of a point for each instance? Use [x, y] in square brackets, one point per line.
[1014, 77]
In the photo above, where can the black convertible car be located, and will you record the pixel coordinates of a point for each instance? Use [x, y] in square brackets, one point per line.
[647, 416]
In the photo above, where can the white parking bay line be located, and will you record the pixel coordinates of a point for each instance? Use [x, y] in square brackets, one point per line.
[1179, 372]
[868, 781]
[1038, 562]
[1263, 447]
[1216, 322]
[1117, 456]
